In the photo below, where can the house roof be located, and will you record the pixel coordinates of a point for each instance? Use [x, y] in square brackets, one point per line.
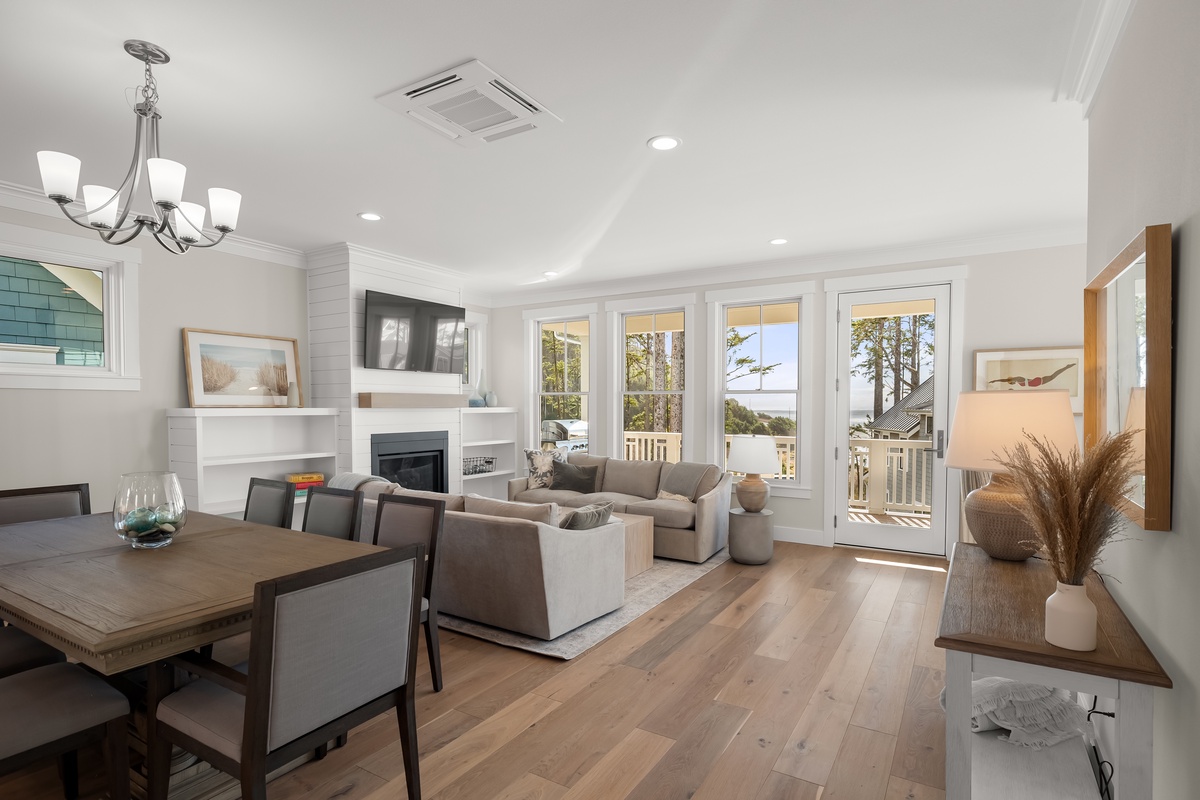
[905, 415]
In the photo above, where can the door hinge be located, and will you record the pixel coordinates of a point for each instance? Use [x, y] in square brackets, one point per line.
[839, 315]
[837, 384]
[835, 454]
[835, 520]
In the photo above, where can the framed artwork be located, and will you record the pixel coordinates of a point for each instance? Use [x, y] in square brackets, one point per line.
[1031, 370]
[238, 370]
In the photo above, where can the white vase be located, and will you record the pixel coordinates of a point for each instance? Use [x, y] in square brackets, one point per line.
[293, 395]
[1071, 618]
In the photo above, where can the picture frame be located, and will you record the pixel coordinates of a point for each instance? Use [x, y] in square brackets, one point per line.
[1032, 369]
[239, 370]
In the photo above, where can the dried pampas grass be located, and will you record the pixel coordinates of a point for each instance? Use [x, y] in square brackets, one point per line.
[1073, 501]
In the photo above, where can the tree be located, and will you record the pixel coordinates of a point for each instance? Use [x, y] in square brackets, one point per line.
[781, 426]
[562, 370]
[891, 351]
[739, 419]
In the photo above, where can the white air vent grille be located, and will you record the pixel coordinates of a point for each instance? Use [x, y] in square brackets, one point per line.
[469, 104]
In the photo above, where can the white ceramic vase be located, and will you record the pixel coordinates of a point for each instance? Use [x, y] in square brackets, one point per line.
[293, 395]
[1071, 618]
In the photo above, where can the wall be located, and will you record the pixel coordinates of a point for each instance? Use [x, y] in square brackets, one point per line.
[1144, 151]
[60, 436]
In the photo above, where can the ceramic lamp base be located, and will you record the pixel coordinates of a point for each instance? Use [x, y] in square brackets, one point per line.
[994, 516]
[752, 492]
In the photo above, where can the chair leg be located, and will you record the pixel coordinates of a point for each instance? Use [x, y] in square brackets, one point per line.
[116, 754]
[435, 653]
[321, 751]
[68, 765]
[407, 718]
[341, 740]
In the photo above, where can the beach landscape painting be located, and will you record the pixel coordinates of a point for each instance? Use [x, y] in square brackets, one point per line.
[238, 369]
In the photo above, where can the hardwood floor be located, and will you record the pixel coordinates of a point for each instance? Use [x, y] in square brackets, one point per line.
[813, 676]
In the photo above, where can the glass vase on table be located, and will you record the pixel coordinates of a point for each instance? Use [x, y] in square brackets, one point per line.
[149, 510]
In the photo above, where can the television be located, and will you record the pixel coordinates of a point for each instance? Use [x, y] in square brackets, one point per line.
[404, 333]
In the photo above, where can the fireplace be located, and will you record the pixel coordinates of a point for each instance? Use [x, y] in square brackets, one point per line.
[413, 460]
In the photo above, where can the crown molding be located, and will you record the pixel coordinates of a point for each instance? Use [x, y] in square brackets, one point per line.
[1098, 28]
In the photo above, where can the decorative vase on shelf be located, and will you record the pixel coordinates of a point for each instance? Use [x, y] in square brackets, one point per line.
[149, 510]
[1071, 618]
[490, 399]
[293, 395]
[474, 400]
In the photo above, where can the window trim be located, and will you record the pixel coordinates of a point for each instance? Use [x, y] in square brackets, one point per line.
[533, 322]
[122, 353]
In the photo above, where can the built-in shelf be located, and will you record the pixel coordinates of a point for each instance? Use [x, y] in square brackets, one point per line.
[264, 457]
[500, 473]
[489, 443]
[490, 433]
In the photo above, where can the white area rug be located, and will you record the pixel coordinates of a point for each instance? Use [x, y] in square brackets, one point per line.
[642, 593]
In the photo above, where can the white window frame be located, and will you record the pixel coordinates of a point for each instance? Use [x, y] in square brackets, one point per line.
[803, 293]
[477, 343]
[616, 310]
[534, 318]
[122, 354]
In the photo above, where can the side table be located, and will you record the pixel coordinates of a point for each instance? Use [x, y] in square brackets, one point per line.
[751, 536]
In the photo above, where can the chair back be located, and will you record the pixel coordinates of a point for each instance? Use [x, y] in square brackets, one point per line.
[329, 640]
[270, 502]
[333, 512]
[44, 502]
[402, 520]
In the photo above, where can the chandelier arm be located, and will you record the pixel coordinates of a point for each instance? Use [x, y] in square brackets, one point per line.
[134, 175]
[209, 241]
[178, 249]
[136, 227]
[102, 231]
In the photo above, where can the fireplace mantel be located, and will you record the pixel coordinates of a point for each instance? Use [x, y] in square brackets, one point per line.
[410, 400]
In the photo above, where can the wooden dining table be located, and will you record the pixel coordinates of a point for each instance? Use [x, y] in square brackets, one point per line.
[76, 586]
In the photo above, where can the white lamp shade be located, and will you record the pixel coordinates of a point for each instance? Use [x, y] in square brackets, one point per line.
[753, 455]
[166, 180]
[988, 423]
[95, 199]
[60, 173]
[189, 221]
[225, 205]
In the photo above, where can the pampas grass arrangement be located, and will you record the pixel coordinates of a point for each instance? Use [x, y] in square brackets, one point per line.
[1074, 500]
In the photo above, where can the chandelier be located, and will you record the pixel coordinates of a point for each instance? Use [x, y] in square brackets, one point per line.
[177, 225]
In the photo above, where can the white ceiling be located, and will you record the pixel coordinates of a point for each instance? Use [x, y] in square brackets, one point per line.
[845, 127]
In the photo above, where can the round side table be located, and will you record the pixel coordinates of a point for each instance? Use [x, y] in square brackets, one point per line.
[751, 536]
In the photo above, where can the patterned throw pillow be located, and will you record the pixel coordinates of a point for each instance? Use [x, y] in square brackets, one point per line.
[663, 494]
[540, 470]
[588, 517]
[573, 478]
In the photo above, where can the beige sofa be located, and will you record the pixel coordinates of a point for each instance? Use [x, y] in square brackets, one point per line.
[689, 530]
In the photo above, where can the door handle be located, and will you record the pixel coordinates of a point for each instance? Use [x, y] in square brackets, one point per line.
[941, 445]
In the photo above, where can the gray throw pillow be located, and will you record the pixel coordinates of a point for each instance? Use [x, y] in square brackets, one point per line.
[572, 477]
[588, 517]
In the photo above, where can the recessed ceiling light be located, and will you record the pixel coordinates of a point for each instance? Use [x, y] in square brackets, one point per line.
[370, 216]
[777, 241]
[550, 274]
[664, 142]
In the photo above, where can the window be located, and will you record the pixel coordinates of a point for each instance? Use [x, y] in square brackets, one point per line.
[51, 314]
[565, 353]
[653, 384]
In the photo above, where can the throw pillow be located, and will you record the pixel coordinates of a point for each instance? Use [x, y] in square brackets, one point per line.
[663, 494]
[588, 517]
[573, 478]
[684, 478]
[535, 512]
[540, 471]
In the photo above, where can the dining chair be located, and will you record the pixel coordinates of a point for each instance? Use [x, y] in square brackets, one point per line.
[270, 502]
[331, 648]
[19, 652]
[44, 502]
[400, 521]
[54, 711]
[333, 512]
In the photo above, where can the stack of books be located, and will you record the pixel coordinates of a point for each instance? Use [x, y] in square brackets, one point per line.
[305, 481]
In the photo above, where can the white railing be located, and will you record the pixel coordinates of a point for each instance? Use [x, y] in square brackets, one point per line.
[903, 483]
[658, 446]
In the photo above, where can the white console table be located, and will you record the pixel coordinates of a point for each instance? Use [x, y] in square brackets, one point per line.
[993, 622]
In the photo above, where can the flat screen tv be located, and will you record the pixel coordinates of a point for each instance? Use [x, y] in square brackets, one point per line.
[404, 333]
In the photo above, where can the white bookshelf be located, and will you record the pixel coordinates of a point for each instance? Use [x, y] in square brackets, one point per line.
[489, 433]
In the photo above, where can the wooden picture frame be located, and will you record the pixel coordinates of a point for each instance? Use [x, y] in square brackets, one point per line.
[1032, 369]
[1128, 381]
[245, 370]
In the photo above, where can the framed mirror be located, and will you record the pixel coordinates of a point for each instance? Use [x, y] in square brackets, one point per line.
[1127, 319]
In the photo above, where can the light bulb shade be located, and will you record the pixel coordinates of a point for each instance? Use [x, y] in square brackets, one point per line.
[99, 214]
[60, 173]
[756, 455]
[189, 221]
[166, 180]
[988, 423]
[225, 205]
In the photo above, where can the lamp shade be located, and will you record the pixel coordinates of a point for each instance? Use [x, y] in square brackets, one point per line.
[60, 173]
[166, 180]
[753, 455]
[225, 205]
[101, 205]
[988, 423]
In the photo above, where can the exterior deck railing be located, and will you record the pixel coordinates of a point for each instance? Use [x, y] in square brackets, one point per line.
[903, 483]
[657, 446]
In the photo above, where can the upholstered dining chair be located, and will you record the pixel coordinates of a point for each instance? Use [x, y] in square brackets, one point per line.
[44, 502]
[54, 711]
[270, 502]
[333, 512]
[331, 648]
[401, 521]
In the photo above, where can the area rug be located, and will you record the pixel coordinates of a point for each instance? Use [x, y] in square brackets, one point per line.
[642, 593]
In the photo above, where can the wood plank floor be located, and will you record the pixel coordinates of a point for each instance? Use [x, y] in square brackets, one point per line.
[813, 676]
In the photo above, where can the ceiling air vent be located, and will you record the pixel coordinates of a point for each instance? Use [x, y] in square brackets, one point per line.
[470, 105]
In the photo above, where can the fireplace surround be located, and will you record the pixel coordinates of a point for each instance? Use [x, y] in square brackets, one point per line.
[415, 460]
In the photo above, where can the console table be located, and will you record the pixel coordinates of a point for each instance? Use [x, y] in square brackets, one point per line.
[993, 622]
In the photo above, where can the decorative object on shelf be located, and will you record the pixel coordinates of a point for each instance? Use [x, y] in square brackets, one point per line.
[176, 225]
[1032, 369]
[490, 399]
[240, 370]
[985, 425]
[475, 400]
[149, 510]
[755, 456]
[478, 465]
[1072, 502]
[293, 395]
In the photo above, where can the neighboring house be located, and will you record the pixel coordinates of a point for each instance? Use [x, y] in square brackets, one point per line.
[910, 418]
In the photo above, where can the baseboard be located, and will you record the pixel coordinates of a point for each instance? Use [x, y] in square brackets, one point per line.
[800, 536]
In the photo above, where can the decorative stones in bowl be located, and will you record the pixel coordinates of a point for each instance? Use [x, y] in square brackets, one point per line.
[149, 509]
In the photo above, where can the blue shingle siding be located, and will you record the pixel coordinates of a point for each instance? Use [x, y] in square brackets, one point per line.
[34, 309]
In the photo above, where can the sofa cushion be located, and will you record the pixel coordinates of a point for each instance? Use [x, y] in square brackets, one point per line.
[585, 459]
[573, 477]
[638, 478]
[540, 472]
[666, 513]
[618, 500]
[586, 518]
[562, 497]
[709, 482]
[539, 512]
[454, 502]
[684, 478]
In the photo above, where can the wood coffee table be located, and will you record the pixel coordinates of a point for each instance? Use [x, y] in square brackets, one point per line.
[639, 543]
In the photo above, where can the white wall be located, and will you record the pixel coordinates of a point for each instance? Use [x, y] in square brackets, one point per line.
[60, 436]
[1144, 152]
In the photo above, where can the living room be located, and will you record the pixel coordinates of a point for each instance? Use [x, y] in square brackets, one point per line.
[1019, 291]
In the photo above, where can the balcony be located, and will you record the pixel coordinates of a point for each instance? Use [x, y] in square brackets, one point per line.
[902, 492]
[657, 446]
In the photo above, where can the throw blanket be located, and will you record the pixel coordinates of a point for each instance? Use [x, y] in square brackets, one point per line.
[1034, 716]
[352, 480]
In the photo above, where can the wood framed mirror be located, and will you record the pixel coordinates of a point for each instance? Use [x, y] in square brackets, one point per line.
[1128, 319]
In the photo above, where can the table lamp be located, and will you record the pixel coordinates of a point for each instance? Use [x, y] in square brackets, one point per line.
[987, 423]
[755, 456]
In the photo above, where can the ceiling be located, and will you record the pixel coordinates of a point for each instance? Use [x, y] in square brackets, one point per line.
[844, 127]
